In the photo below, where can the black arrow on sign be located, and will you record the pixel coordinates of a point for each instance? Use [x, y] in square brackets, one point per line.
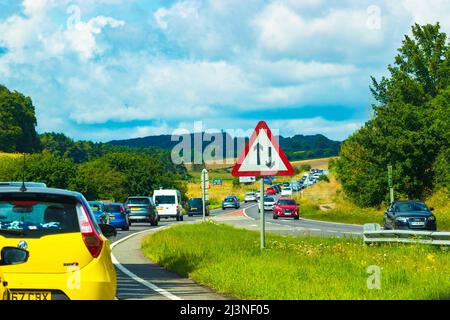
[258, 149]
[270, 163]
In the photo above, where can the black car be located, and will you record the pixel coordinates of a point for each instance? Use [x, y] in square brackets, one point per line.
[141, 209]
[409, 215]
[195, 206]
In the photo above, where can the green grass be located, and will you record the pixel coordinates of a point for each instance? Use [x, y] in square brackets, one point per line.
[342, 215]
[229, 261]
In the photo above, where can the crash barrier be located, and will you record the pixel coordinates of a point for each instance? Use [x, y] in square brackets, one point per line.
[373, 233]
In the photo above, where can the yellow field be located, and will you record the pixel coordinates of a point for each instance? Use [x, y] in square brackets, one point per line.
[315, 163]
[322, 192]
[229, 163]
[218, 193]
[9, 155]
[213, 165]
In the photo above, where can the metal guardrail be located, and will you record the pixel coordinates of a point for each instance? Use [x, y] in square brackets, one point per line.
[373, 233]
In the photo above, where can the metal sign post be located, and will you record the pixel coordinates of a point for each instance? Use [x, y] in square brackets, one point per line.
[262, 214]
[391, 185]
[205, 185]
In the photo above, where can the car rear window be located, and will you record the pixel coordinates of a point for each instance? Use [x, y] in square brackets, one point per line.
[230, 199]
[286, 202]
[138, 201]
[165, 199]
[195, 202]
[96, 207]
[113, 208]
[37, 215]
[269, 199]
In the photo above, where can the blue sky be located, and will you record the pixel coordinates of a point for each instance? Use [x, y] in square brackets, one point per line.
[114, 69]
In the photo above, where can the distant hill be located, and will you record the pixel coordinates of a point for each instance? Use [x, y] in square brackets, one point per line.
[299, 147]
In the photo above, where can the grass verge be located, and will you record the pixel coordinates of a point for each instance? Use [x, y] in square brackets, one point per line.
[229, 261]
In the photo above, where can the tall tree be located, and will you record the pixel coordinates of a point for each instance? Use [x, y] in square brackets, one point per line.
[405, 130]
[17, 122]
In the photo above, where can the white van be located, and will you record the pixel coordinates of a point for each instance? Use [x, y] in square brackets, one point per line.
[168, 204]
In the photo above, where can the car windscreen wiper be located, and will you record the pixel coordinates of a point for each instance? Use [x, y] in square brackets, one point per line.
[13, 232]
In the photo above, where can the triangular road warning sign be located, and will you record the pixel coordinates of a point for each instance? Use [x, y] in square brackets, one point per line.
[262, 156]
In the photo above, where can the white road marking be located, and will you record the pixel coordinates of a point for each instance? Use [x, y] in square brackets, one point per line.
[280, 223]
[149, 285]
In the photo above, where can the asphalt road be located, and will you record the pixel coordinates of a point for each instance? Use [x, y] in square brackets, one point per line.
[139, 278]
[303, 227]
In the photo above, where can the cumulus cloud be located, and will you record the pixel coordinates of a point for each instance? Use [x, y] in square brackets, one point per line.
[81, 37]
[430, 11]
[282, 31]
[36, 34]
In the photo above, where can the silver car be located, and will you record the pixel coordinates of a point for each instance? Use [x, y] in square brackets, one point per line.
[250, 197]
[269, 203]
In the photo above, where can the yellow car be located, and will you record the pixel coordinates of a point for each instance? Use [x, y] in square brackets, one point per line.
[69, 254]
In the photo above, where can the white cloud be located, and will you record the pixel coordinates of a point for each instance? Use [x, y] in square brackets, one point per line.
[430, 11]
[34, 7]
[37, 36]
[81, 37]
[288, 71]
[283, 31]
[337, 130]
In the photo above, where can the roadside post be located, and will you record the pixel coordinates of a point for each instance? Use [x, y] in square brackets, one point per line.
[205, 195]
[391, 185]
[262, 214]
[262, 157]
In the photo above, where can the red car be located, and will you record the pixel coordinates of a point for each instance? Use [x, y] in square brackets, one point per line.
[271, 191]
[286, 208]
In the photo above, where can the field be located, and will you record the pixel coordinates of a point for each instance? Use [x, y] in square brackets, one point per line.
[315, 163]
[218, 193]
[9, 155]
[229, 261]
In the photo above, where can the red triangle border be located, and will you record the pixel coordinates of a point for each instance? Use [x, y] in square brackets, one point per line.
[262, 125]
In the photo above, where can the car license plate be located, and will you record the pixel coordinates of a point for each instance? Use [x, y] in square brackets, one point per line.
[111, 217]
[30, 295]
[135, 209]
[417, 223]
[193, 209]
